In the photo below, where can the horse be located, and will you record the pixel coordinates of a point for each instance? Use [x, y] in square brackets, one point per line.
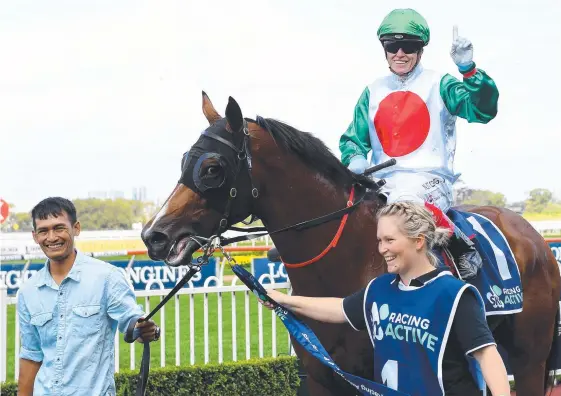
[240, 167]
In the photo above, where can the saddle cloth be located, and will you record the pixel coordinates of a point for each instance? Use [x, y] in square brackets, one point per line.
[498, 279]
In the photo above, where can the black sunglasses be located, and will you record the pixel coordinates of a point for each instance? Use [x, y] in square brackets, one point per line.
[409, 47]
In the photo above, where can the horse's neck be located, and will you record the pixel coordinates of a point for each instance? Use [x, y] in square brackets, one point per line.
[295, 196]
[300, 194]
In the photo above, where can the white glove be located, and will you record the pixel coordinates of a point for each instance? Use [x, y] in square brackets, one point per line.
[358, 164]
[462, 51]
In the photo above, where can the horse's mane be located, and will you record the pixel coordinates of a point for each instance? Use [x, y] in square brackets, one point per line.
[311, 151]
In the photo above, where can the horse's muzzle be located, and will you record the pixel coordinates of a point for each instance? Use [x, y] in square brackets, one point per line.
[157, 243]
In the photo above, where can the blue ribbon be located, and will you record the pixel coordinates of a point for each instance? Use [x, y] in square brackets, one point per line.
[306, 337]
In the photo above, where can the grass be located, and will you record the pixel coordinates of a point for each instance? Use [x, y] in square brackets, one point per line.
[533, 216]
[282, 345]
[282, 341]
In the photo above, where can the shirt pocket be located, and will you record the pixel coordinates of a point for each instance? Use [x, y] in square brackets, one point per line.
[43, 321]
[86, 319]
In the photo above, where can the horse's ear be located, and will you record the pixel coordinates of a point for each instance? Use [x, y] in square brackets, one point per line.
[208, 110]
[234, 115]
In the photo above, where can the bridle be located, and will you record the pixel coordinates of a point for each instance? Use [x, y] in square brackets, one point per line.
[209, 245]
[243, 155]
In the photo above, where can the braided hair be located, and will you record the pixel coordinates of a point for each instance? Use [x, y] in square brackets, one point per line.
[417, 220]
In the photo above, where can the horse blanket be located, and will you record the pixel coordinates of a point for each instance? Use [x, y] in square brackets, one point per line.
[498, 279]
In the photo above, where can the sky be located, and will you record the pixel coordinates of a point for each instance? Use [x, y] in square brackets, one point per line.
[105, 95]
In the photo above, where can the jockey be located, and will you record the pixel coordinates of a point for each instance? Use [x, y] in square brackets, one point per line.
[410, 115]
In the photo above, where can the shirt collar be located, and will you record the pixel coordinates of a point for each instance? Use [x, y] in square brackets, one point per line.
[45, 278]
[76, 270]
[411, 76]
[423, 279]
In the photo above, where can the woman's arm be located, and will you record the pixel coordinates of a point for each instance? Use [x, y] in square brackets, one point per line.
[476, 339]
[323, 309]
[493, 369]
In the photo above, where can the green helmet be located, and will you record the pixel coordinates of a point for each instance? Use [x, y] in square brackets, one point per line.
[406, 22]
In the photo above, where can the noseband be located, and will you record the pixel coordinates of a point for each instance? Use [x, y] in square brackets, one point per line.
[210, 245]
[243, 155]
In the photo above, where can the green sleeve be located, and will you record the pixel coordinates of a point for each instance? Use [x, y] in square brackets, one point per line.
[356, 140]
[473, 99]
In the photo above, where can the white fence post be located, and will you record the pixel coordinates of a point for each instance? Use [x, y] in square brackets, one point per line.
[196, 333]
[3, 331]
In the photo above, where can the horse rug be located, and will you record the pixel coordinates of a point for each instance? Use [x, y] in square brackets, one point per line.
[498, 279]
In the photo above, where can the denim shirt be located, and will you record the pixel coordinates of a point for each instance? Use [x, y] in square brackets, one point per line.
[71, 327]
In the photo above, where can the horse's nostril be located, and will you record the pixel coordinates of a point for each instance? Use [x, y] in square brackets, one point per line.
[158, 240]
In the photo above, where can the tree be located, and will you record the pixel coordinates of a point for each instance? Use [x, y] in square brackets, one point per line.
[107, 214]
[468, 196]
[94, 214]
[23, 221]
[17, 221]
[538, 200]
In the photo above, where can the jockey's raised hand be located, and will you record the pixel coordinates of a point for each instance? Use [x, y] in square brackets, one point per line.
[410, 114]
[462, 51]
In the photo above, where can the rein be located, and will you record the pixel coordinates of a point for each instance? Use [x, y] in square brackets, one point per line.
[210, 245]
[333, 242]
[206, 243]
[244, 155]
[307, 224]
[133, 333]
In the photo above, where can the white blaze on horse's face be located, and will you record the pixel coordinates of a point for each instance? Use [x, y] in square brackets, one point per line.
[401, 63]
[176, 204]
[168, 234]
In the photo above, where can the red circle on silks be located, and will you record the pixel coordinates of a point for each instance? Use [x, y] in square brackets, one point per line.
[402, 123]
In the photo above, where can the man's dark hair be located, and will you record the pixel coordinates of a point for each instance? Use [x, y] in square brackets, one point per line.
[53, 206]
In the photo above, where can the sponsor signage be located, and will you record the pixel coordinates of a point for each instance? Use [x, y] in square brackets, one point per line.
[142, 275]
[268, 272]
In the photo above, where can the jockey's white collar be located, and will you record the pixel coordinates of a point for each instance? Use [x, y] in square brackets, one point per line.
[409, 76]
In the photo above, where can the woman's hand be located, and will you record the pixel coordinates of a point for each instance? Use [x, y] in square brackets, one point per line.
[493, 369]
[323, 309]
[275, 295]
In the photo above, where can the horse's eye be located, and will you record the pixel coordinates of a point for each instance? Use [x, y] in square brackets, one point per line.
[212, 170]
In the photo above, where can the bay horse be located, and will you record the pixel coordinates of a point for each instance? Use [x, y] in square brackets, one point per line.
[240, 167]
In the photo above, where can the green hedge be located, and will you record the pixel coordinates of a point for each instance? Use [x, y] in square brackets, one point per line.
[268, 376]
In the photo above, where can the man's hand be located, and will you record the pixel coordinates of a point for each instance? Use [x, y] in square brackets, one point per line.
[462, 51]
[149, 331]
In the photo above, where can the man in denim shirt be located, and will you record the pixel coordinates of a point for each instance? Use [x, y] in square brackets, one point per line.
[69, 312]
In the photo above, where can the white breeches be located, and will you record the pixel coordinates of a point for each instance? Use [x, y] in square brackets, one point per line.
[419, 187]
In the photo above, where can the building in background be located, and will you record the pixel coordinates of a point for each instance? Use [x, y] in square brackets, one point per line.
[139, 194]
[107, 194]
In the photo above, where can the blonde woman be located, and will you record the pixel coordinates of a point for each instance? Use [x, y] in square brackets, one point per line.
[424, 323]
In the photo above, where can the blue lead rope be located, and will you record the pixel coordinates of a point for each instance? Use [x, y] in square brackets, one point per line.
[306, 337]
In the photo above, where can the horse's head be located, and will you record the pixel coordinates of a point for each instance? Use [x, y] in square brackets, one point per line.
[213, 192]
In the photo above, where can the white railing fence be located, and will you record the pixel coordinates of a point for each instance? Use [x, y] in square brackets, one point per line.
[227, 327]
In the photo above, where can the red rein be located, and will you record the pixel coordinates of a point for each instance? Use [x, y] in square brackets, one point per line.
[333, 242]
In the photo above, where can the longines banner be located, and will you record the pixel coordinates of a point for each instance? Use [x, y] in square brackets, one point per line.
[143, 275]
